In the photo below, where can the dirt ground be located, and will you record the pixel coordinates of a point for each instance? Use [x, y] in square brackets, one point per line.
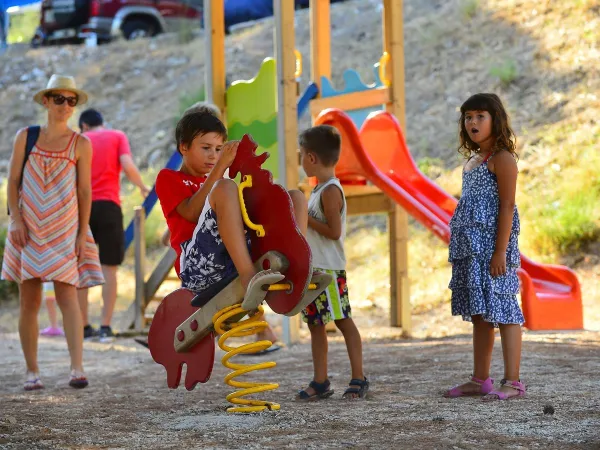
[128, 404]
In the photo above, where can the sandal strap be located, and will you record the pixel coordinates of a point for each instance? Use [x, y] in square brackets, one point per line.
[478, 381]
[320, 388]
[516, 385]
[357, 382]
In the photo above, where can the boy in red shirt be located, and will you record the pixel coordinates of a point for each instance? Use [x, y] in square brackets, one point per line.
[203, 212]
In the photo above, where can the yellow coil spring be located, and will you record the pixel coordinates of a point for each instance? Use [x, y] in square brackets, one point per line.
[248, 327]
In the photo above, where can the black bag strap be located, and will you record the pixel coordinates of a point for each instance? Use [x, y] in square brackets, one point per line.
[33, 133]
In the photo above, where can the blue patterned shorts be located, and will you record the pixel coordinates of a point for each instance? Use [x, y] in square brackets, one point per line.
[204, 258]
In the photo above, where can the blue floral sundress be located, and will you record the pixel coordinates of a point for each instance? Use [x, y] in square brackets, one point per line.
[473, 230]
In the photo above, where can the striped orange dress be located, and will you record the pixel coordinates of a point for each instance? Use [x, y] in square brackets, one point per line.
[49, 207]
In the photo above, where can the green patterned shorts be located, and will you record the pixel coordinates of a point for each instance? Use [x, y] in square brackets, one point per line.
[332, 304]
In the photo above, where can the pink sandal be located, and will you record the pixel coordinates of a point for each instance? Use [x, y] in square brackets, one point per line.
[499, 395]
[486, 386]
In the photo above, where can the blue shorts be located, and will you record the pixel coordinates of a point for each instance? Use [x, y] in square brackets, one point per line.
[204, 259]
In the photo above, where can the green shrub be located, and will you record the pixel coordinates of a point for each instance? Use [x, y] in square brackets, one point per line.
[506, 72]
[468, 8]
[431, 167]
[22, 26]
[567, 224]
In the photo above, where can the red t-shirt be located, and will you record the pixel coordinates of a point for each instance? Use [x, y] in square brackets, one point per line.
[107, 146]
[173, 187]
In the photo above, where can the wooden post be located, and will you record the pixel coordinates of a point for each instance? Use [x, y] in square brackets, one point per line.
[139, 238]
[287, 122]
[320, 40]
[393, 43]
[287, 126]
[214, 30]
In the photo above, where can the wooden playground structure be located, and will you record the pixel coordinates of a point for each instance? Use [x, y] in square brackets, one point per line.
[546, 290]
[361, 199]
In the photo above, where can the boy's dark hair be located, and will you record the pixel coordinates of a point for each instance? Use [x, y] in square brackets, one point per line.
[197, 123]
[501, 130]
[205, 107]
[324, 141]
[91, 118]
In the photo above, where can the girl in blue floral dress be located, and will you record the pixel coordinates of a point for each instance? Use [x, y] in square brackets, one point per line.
[484, 249]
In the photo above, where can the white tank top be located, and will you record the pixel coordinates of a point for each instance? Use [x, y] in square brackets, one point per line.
[326, 253]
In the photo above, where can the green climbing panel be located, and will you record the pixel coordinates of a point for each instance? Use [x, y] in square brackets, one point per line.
[252, 109]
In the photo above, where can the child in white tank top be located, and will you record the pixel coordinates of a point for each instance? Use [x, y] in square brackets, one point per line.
[320, 151]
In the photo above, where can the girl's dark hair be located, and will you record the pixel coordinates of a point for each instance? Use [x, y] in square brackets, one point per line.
[501, 130]
[197, 123]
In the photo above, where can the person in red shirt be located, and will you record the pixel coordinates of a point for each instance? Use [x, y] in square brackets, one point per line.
[111, 155]
[203, 213]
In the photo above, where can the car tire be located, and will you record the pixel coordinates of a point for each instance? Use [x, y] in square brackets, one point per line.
[135, 29]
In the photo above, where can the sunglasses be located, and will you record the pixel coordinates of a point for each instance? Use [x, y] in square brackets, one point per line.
[60, 99]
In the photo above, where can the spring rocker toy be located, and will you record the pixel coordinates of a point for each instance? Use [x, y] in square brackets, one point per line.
[184, 325]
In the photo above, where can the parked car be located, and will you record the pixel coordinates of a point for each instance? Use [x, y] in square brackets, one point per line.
[74, 20]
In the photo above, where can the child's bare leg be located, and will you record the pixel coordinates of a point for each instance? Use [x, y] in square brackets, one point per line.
[511, 335]
[82, 298]
[354, 347]
[483, 344]
[66, 297]
[319, 347]
[224, 201]
[30, 294]
[267, 334]
[300, 209]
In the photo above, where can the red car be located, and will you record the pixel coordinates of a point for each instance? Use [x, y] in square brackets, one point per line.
[75, 20]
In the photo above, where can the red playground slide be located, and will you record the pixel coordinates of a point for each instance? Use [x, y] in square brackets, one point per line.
[550, 294]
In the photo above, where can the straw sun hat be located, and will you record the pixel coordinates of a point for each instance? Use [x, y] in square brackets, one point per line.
[61, 83]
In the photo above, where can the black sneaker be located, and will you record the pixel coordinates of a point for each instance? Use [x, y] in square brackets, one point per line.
[105, 334]
[89, 332]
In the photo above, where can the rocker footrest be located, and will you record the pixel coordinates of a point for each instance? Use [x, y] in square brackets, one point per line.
[200, 324]
[319, 282]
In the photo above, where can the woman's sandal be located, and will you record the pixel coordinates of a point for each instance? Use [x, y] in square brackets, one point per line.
[499, 395]
[33, 382]
[78, 380]
[322, 390]
[486, 387]
[356, 392]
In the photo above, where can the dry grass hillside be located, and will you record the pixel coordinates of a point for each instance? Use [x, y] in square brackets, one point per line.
[537, 54]
[540, 56]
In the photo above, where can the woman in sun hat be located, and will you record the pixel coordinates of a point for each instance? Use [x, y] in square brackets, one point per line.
[49, 239]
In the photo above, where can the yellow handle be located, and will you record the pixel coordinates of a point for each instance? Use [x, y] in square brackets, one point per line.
[287, 287]
[247, 182]
[385, 58]
[298, 71]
